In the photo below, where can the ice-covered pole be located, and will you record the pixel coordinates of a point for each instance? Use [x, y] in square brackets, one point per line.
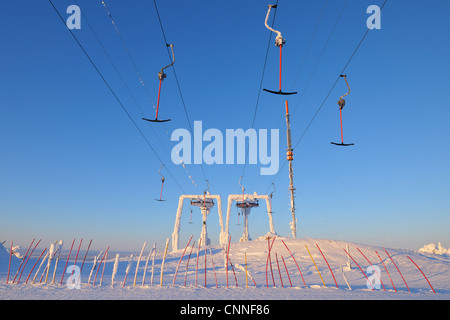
[137, 265]
[116, 265]
[51, 250]
[57, 259]
[163, 261]
[127, 270]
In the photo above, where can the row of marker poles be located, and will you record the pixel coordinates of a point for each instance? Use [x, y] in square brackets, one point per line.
[52, 253]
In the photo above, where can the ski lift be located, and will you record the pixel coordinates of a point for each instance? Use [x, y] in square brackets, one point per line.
[161, 77]
[279, 42]
[238, 224]
[162, 184]
[341, 104]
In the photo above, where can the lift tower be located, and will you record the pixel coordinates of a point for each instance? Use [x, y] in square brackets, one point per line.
[290, 157]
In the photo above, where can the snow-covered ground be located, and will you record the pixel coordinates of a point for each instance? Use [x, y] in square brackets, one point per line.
[349, 285]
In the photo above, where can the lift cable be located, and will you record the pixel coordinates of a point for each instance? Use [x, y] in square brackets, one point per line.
[114, 94]
[178, 84]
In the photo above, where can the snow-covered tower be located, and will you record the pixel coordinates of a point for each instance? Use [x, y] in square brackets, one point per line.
[205, 202]
[247, 202]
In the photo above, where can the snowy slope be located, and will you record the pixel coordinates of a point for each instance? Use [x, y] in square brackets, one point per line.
[392, 286]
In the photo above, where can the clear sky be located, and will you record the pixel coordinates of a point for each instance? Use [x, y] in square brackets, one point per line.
[73, 165]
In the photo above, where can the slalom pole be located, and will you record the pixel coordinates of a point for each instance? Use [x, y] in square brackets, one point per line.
[187, 264]
[287, 272]
[85, 255]
[327, 265]
[316, 267]
[198, 254]
[234, 273]
[70, 251]
[9, 264]
[372, 268]
[28, 258]
[104, 265]
[78, 251]
[76, 257]
[138, 262]
[269, 246]
[279, 272]
[295, 262]
[246, 273]
[181, 258]
[214, 269]
[99, 266]
[397, 269]
[35, 265]
[359, 268]
[422, 274]
[163, 261]
[23, 259]
[386, 271]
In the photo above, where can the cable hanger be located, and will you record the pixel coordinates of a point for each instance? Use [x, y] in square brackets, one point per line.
[279, 42]
[341, 104]
[161, 77]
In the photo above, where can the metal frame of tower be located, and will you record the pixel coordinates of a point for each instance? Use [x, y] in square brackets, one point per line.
[290, 157]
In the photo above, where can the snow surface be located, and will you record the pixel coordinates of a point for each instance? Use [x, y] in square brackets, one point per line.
[435, 267]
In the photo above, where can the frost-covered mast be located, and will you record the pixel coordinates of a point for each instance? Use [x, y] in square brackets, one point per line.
[290, 157]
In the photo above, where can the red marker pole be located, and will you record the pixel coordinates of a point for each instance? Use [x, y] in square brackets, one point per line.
[287, 272]
[359, 269]
[372, 267]
[70, 251]
[295, 262]
[386, 271]
[20, 266]
[187, 265]
[9, 264]
[179, 262]
[327, 265]
[279, 272]
[20, 276]
[422, 274]
[85, 255]
[101, 261]
[397, 269]
[214, 269]
[35, 265]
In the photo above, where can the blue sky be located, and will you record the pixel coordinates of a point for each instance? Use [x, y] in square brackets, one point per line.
[73, 165]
